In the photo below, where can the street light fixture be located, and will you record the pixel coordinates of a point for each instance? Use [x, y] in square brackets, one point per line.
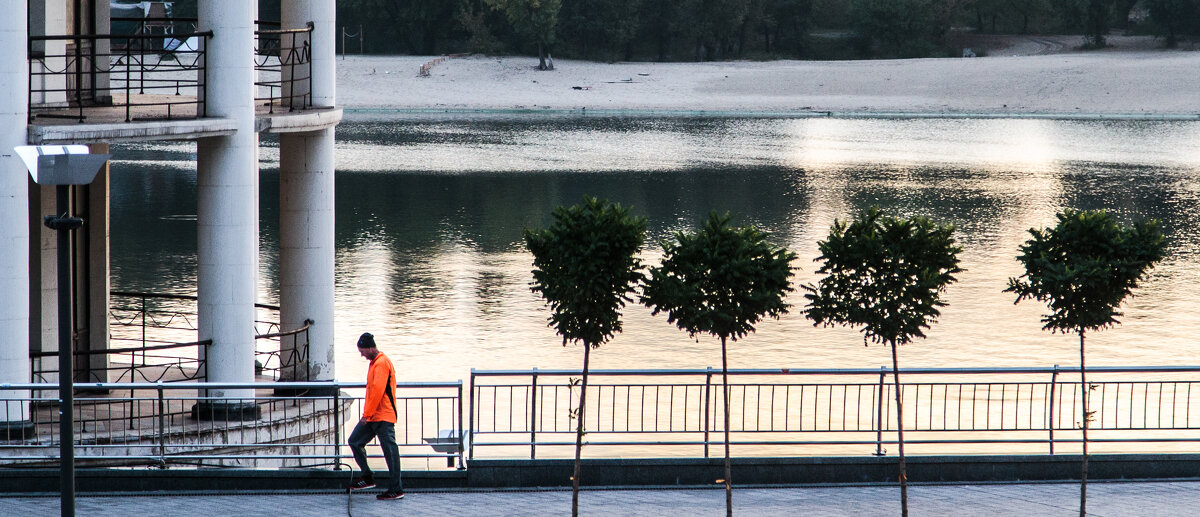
[63, 166]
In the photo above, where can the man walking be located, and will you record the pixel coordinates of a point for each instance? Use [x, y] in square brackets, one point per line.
[378, 419]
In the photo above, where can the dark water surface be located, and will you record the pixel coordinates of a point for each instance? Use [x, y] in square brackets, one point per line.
[430, 213]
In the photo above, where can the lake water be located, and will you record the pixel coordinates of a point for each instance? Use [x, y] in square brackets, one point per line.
[430, 213]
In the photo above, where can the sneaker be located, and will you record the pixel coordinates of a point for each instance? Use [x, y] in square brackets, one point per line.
[362, 484]
[390, 495]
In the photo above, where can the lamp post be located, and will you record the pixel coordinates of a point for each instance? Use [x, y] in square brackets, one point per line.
[63, 166]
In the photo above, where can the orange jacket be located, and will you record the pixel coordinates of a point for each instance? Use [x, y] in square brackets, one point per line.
[380, 404]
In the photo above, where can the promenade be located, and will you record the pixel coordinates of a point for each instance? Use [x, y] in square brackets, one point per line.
[1105, 499]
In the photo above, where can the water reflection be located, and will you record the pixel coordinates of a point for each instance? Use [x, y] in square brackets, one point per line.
[430, 214]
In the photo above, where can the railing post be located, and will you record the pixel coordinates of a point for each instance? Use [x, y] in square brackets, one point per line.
[143, 318]
[1050, 414]
[707, 397]
[533, 415]
[162, 426]
[461, 464]
[337, 429]
[879, 414]
[471, 418]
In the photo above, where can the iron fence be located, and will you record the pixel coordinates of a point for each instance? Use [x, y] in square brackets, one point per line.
[137, 72]
[153, 337]
[809, 412]
[125, 424]
[283, 60]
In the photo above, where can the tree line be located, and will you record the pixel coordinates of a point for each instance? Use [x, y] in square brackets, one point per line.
[881, 274]
[687, 30]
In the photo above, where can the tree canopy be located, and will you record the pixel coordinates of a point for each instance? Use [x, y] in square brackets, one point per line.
[1084, 267]
[720, 280]
[585, 266]
[883, 274]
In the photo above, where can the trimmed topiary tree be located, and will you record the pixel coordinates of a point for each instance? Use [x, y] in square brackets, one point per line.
[885, 275]
[720, 281]
[1083, 269]
[585, 268]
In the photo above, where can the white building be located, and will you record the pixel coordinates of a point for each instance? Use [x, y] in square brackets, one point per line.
[74, 69]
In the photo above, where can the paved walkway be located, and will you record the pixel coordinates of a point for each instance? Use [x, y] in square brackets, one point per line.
[1111, 499]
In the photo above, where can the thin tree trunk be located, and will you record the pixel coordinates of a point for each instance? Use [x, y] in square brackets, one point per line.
[728, 470]
[1086, 417]
[542, 66]
[587, 349]
[900, 433]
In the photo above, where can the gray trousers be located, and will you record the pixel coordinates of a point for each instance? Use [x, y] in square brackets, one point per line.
[386, 431]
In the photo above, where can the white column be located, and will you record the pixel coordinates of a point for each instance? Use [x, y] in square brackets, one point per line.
[306, 220]
[14, 216]
[306, 247]
[227, 205]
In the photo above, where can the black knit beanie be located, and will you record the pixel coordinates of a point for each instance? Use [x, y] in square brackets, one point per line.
[366, 340]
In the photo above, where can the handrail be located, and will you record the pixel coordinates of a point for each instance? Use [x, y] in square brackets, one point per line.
[178, 297]
[851, 371]
[78, 353]
[91, 37]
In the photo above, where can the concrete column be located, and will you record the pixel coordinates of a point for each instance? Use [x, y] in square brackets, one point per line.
[306, 220]
[227, 208]
[306, 248]
[92, 274]
[14, 223]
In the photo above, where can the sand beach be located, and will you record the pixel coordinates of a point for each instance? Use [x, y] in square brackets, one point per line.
[1026, 76]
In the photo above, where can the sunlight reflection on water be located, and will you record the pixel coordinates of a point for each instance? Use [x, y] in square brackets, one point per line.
[430, 213]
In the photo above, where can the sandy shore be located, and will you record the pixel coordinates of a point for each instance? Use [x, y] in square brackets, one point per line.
[1134, 80]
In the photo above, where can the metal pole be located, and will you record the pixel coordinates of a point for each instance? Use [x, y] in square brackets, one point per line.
[1050, 416]
[66, 398]
[337, 429]
[707, 395]
[162, 426]
[471, 418]
[533, 416]
[879, 414]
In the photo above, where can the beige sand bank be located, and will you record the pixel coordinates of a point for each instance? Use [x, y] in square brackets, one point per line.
[1135, 80]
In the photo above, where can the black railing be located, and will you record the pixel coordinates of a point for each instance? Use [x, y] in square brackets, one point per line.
[153, 338]
[283, 60]
[137, 72]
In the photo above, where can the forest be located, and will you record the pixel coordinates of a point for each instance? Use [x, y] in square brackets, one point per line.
[700, 30]
[704, 30]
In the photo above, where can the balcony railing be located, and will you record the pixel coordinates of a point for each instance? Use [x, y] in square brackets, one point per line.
[283, 61]
[142, 76]
[158, 72]
[153, 338]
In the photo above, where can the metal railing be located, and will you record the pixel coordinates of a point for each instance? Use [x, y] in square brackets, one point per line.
[283, 60]
[153, 338]
[137, 72]
[157, 424]
[808, 412]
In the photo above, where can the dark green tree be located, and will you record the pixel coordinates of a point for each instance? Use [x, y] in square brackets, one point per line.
[599, 28]
[585, 267]
[413, 26]
[900, 28]
[720, 281]
[1096, 23]
[1083, 269]
[533, 20]
[885, 275]
[1175, 17]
